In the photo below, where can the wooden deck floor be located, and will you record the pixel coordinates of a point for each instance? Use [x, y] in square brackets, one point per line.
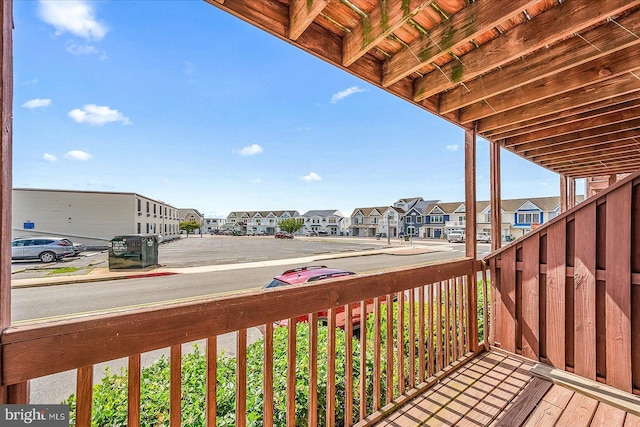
[498, 390]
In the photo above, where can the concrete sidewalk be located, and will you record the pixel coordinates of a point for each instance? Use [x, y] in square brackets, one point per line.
[99, 274]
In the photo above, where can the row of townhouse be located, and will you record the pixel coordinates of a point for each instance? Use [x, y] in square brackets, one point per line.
[329, 222]
[434, 219]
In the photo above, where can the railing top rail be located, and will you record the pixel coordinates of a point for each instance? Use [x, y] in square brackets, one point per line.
[586, 202]
[34, 350]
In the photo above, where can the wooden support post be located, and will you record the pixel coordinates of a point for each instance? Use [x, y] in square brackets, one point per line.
[571, 192]
[496, 210]
[470, 219]
[6, 97]
[564, 203]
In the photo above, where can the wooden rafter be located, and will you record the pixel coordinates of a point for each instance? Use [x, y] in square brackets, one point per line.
[302, 14]
[550, 27]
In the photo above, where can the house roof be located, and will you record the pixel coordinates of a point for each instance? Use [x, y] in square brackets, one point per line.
[323, 213]
[554, 82]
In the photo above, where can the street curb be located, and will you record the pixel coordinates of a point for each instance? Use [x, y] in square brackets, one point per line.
[81, 279]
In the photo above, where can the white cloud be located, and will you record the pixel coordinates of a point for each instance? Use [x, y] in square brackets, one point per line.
[453, 147]
[251, 150]
[344, 93]
[77, 155]
[81, 49]
[98, 115]
[36, 103]
[49, 158]
[73, 16]
[256, 181]
[311, 177]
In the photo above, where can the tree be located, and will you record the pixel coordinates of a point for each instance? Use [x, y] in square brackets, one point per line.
[189, 226]
[291, 225]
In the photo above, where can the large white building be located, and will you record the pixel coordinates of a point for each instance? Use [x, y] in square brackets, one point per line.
[90, 217]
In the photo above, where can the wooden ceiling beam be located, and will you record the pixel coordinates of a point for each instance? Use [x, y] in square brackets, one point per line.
[567, 54]
[380, 23]
[545, 29]
[610, 150]
[576, 128]
[580, 114]
[601, 69]
[585, 170]
[529, 152]
[594, 93]
[476, 18]
[302, 14]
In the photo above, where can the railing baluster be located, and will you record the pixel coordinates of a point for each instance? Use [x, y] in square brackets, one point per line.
[313, 369]
[291, 373]
[455, 332]
[421, 335]
[377, 341]
[438, 326]
[447, 322]
[348, 386]
[460, 304]
[241, 379]
[84, 392]
[267, 386]
[175, 400]
[430, 326]
[389, 348]
[133, 398]
[412, 339]
[212, 380]
[400, 343]
[363, 359]
[465, 318]
[485, 305]
[331, 368]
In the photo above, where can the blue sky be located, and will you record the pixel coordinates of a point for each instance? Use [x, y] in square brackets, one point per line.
[181, 102]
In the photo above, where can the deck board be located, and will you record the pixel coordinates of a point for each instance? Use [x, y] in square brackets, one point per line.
[498, 389]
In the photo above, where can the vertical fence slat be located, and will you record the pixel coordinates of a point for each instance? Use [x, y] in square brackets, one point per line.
[584, 281]
[460, 295]
[348, 386]
[618, 288]
[421, 335]
[471, 312]
[313, 369]
[455, 332]
[291, 373]
[212, 379]
[556, 277]
[400, 343]
[267, 384]
[430, 343]
[363, 359]
[485, 307]
[377, 341]
[447, 322]
[531, 297]
[84, 393]
[494, 323]
[331, 368]
[506, 330]
[389, 348]
[412, 344]
[439, 331]
[464, 330]
[175, 406]
[133, 386]
[241, 379]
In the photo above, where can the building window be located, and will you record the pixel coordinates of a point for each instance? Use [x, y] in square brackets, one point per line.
[487, 217]
[436, 218]
[409, 220]
[147, 207]
[418, 220]
[139, 228]
[147, 228]
[528, 218]
[374, 220]
[154, 208]
[332, 220]
[139, 205]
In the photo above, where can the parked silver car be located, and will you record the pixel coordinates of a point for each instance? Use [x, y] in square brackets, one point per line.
[46, 249]
[455, 236]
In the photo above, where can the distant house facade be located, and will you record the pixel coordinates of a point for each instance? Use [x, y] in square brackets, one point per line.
[191, 215]
[257, 221]
[415, 219]
[330, 222]
[91, 217]
[212, 225]
[382, 220]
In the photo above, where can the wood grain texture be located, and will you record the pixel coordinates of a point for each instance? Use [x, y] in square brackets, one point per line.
[618, 288]
[175, 389]
[133, 387]
[212, 379]
[267, 385]
[584, 280]
[389, 349]
[363, 360]
[530, 324]
[84, 395]
[313, 368]
[291, 373]
[506, 327]
[555, 294]
[331, 368]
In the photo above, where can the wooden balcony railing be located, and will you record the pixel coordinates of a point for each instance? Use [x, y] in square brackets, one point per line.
[434, 329]
[568, 293]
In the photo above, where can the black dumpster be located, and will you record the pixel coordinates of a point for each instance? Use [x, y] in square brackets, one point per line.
[133, 251]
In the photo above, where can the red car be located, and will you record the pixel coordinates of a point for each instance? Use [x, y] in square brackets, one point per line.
[300, 275]
[283, 235]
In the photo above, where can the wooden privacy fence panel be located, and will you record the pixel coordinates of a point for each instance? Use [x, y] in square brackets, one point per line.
[372, 342]
[568, 293]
